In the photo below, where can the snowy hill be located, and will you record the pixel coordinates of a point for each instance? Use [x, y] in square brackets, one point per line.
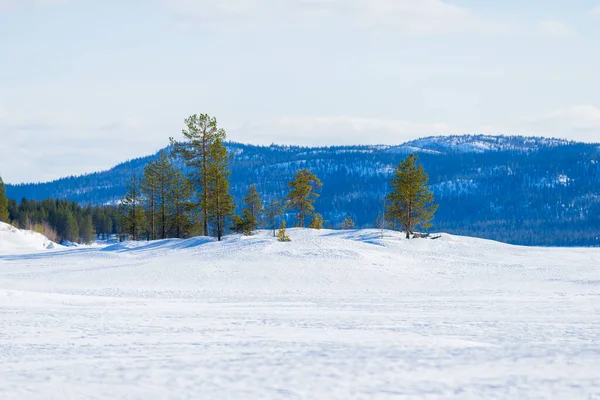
[477, 144]
[13, 240]
[330, 315]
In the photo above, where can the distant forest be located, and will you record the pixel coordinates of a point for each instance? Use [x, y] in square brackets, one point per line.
[62, 220]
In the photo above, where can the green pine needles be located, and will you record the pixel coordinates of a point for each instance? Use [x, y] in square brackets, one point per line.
[303, 194]
[410, 203]
[3, 203]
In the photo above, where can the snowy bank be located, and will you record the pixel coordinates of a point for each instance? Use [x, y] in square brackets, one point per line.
[18, 241]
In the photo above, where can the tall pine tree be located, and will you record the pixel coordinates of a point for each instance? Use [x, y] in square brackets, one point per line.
[410, 202]
[248, 221]
[132, 213]
[72, 227]
[303, 194]
[86, 229]
[3, 203]
[181, 192]
[220, 203]
[202, 131]
[149, 191]
[274, 209]
[165, 173]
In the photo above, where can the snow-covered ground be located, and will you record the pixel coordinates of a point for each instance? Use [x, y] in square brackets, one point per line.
[330, 315]
[15, 241]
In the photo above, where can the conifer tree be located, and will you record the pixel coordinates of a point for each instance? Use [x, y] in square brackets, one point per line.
[410, 202]
[254, 205]
[248, 221]
[281, 233]
[132, 214]
[316, 222]
[107, 226]
[181, 192]
[86, 229]
[165, 173]
[202, 131]
[273, 210]
[348, 223]
[220, 203]
[149, 191]
[72, 228]
[4, 217]
[303, 194]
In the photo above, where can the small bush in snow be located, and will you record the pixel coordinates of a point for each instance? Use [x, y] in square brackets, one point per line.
[281, 235]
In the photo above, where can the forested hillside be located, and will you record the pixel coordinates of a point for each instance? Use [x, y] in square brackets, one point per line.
[514, 189]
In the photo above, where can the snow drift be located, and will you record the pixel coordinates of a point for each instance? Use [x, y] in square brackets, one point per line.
[16, 241]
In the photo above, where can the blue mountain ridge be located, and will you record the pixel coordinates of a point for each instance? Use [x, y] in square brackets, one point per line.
[516, 189]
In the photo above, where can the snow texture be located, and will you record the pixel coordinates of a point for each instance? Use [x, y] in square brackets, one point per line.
[330, 315]
[13, 241]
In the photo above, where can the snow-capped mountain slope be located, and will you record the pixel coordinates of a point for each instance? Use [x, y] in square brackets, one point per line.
[477, 144]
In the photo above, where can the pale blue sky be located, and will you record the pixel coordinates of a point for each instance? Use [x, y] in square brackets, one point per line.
[85, 84]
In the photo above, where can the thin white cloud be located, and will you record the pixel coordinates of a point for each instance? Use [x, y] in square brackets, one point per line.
[596, 11]
[556, 29]
[339, 129]
[578, 122]
[44, 147]
[423, 17]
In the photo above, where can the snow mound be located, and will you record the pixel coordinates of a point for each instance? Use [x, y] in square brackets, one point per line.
[17, 241]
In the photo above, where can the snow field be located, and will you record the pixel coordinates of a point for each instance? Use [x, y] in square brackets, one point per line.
[330, 315]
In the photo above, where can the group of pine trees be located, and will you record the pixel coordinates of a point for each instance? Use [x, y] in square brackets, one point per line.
[59, 220]
[156, 205]
[163, 203]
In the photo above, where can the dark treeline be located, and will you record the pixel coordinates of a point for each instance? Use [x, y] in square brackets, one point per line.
[61, 220]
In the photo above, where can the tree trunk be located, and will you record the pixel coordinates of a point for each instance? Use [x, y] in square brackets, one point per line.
[205, 182]
[163, 213]
[218, 209]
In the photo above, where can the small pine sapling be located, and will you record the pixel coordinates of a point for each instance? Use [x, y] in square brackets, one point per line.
[281, 234]
[348, 223]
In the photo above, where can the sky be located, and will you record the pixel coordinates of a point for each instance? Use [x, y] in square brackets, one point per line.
[86, 84]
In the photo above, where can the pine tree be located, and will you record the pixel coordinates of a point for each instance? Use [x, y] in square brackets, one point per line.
[273, 210]
[348, 223]
[254, 205]
[149, 191]
[281, 233]
[165, 173]
[316, 222]
[201, 133]
[4, 217]
[181, 191]
[220, 203]
[107, 226]
[72, 228]
[303, 194]
[130, 209]
[248, 221]
[410, 202]
[86, 230]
